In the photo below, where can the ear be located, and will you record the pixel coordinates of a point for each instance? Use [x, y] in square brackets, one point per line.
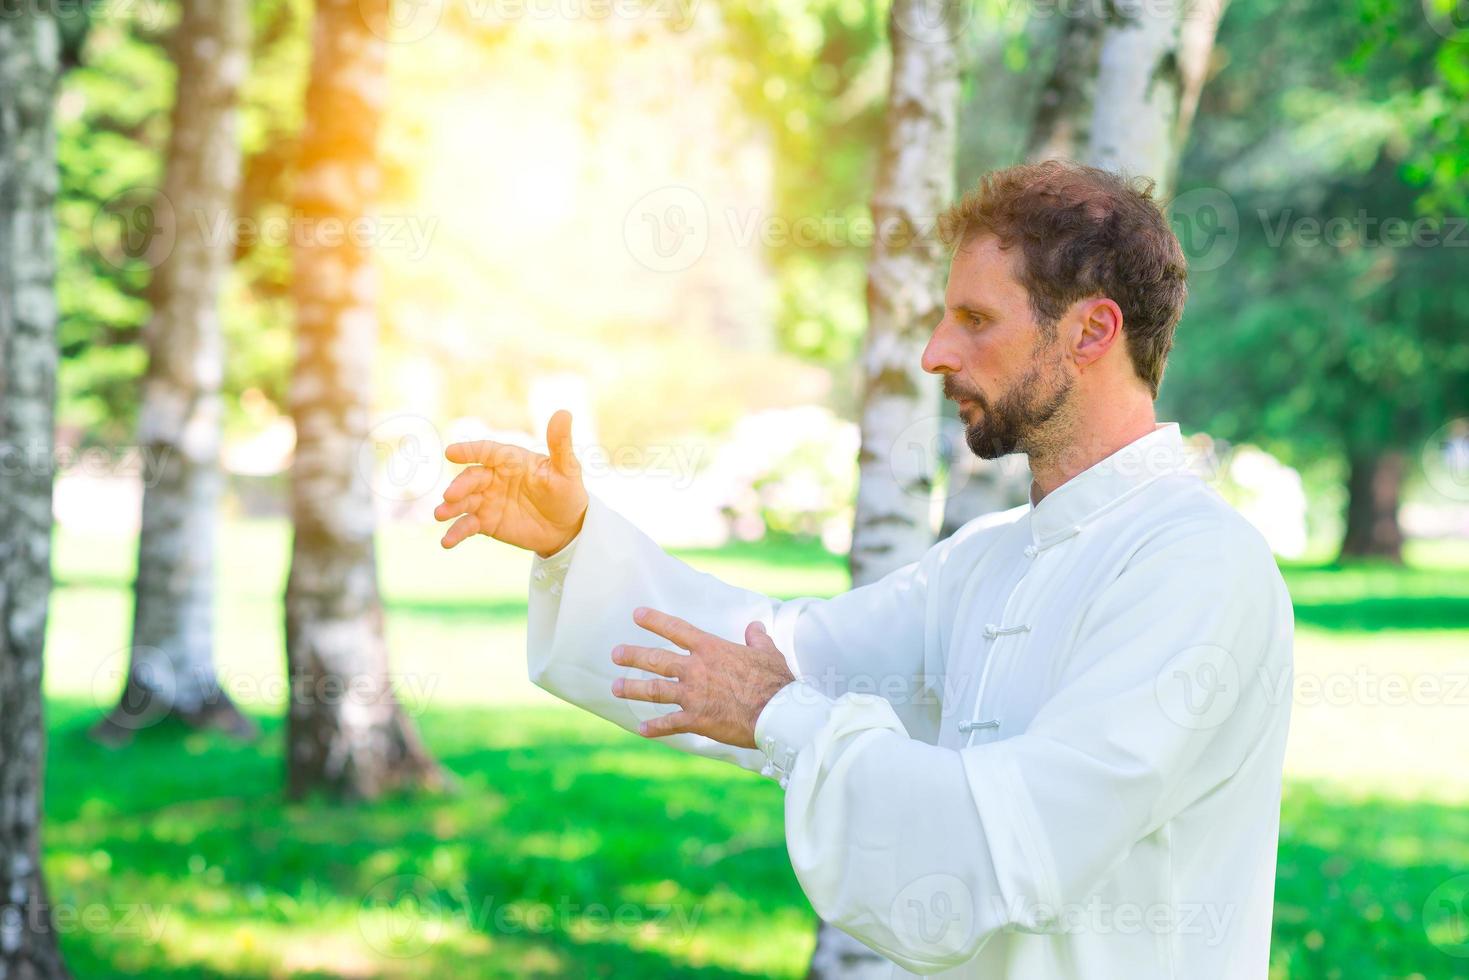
[1100, 329]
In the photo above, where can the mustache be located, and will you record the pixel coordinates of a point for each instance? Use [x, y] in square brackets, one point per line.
[954, 391]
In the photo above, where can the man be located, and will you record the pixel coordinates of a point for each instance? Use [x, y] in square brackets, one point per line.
[1051, 747]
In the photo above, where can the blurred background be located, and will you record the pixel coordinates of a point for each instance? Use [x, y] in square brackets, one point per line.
[287, 735]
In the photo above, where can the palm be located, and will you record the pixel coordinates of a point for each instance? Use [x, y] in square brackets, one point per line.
[530, 501]
[523, 498]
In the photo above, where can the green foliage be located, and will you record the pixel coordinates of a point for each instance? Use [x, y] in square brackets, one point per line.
[258, 316]
[113, 129]
[1439, 80]
[815, 74]
[1333, 329]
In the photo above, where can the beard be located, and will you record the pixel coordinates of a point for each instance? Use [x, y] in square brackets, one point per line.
[1015, 422]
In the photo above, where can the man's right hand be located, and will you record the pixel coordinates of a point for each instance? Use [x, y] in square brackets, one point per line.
[514, 495]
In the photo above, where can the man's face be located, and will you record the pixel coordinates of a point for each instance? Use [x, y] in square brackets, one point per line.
[1009, 376]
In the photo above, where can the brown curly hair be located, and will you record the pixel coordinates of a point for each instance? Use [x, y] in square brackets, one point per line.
[1084, 232]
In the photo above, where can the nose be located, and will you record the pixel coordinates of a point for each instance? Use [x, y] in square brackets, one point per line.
[938, 355]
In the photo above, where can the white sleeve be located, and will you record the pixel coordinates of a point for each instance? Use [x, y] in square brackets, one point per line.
[582, 599]
[923, 853]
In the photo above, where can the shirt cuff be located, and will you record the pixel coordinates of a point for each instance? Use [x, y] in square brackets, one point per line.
[550, 573]
[787, 724]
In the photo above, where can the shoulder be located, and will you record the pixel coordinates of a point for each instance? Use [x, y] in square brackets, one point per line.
[1188, 514]
[1192, 542]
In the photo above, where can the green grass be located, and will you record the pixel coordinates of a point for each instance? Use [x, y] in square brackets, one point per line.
[556, 814]
[575, 849]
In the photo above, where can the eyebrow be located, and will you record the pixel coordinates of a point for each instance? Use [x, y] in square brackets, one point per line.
[972, 307]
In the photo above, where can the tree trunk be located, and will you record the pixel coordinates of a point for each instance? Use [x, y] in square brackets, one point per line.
[905, 281]
[1124, 88]
[1063, 113]
[1134, 127]
[172, 669]
[347, 735]
[29, 48]
[905, 284]
[1374, 490]
[1197, 34]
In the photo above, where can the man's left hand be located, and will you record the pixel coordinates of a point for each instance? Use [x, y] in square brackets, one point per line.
[720, 687]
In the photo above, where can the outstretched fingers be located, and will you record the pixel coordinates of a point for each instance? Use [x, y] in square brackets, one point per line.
[668, 627]
[673, 723]
[655, 691]
[664, 662]
[499, 456]
[459, 530]
[467, 483]
[453, 508]
[481, 451]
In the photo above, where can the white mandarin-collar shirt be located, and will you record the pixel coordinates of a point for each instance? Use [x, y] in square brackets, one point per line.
[1051, 748]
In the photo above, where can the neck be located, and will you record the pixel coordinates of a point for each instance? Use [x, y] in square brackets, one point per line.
[1092, 440]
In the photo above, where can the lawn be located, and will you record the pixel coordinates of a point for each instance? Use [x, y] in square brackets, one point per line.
[574, 849]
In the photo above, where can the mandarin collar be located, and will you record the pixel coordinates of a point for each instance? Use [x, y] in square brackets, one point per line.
[1067, 509]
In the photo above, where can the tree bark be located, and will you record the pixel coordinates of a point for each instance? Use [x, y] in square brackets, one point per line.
[1374, 491]
[1199, 30]
[1063, 113]
[347, 735]
[172, 665]
[905, 283]
[1134, 127]
[29, 50]
[905, 278]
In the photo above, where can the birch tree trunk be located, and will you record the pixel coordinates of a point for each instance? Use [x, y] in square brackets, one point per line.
[1199, 30]
[1062, 123]
[1135, 112]
[905, 285]
[1152, 61]
[1121, 96]
[347, 735]
[172, 666]
[29, 49]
